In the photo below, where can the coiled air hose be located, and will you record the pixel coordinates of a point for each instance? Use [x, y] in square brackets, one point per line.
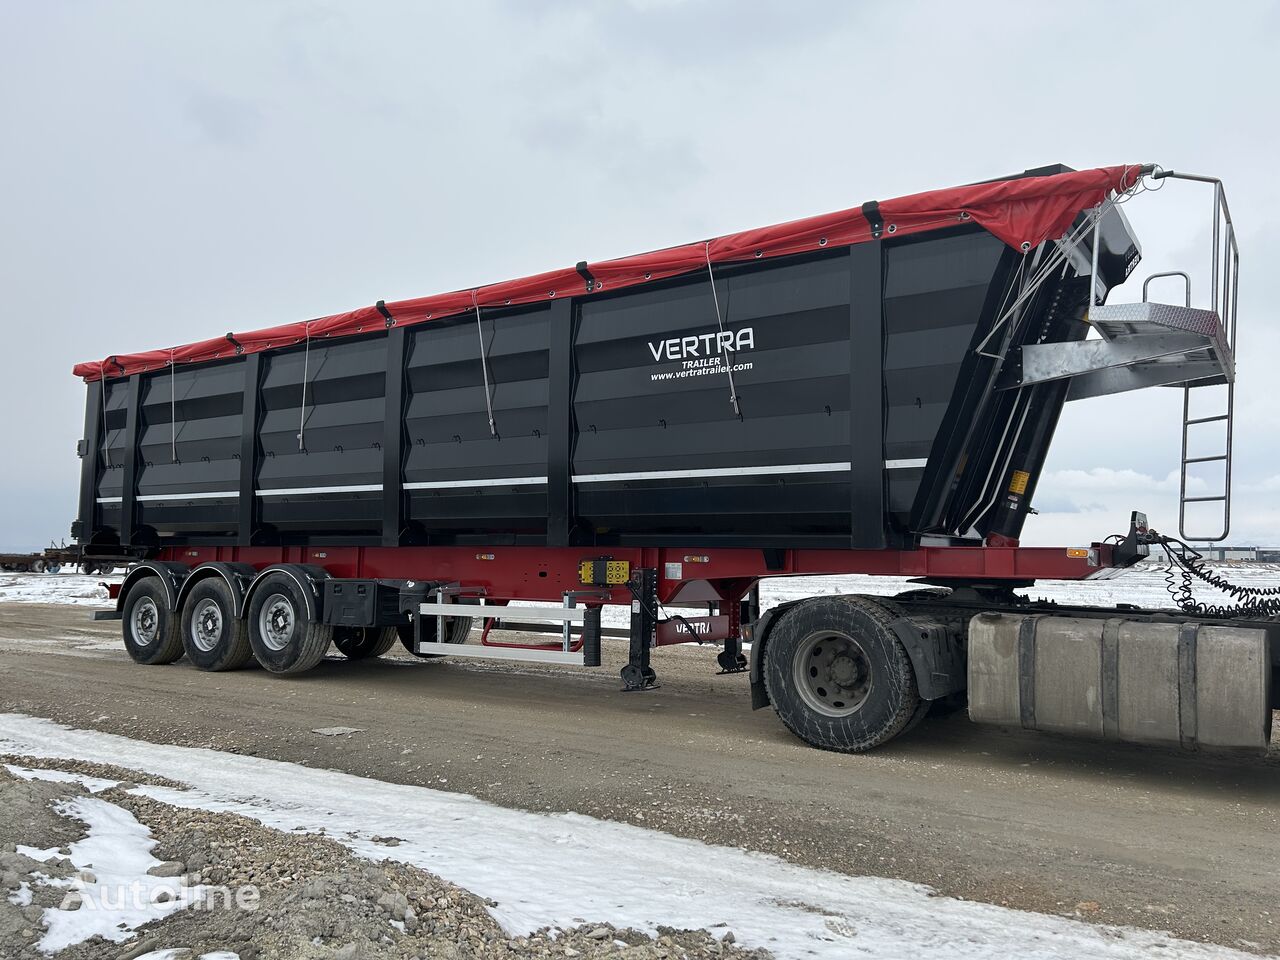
[1184, 565]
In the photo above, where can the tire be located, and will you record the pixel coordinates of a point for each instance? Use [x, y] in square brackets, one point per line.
[151, 633]
[363, 643]
[456, 631]
[213, 637]
[283, 638]
[838, 677]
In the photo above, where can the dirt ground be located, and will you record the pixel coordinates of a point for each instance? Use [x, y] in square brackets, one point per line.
[1113, 834]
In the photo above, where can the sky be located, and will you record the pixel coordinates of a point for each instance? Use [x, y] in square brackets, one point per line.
[171, 171]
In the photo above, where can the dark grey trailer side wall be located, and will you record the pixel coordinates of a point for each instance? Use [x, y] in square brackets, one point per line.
[612, 416]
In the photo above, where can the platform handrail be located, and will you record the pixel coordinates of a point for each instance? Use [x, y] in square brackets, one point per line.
[1146, 284]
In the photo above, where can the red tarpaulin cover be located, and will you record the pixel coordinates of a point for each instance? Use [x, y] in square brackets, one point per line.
[1023, 213]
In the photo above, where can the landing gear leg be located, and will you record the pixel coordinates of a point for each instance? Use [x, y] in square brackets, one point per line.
[638, 674]
[731, 658]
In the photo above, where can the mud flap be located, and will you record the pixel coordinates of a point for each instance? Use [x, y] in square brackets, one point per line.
[936, 656]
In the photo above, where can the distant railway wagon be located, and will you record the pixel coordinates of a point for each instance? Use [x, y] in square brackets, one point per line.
[872, 391]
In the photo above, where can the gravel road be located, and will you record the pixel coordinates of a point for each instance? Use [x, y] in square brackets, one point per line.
[1112, 834]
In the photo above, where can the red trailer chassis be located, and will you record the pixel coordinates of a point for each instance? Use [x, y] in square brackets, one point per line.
[686, 576]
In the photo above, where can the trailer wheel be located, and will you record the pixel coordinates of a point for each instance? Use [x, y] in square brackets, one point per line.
[211, 633]
[151, 633]
[456, 631]
[360, 643]
[838, 676]
[283, 638]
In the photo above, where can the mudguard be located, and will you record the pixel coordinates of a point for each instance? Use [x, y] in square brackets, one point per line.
[238, 576]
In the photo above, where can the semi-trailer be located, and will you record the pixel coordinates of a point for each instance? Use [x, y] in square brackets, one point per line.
[872, 391]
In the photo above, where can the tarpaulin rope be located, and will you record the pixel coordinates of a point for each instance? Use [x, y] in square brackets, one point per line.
[106, 447]
[306, 365]
[173, 408]
[1063, 248]
[728, 349]
[484, 367]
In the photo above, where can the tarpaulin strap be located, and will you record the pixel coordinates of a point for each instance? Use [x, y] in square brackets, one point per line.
[585, 274]
[306, 365]
[173, 409]
[381, 306]
[728, 349]
[871, 210]
[102, 380]
[484, 367]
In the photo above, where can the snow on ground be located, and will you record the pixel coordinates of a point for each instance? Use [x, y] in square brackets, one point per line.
[66, 587]
[554, 869]
[1143, 585]
[116, 893]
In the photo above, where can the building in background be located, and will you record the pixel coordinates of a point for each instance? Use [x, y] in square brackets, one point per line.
[1218, 551]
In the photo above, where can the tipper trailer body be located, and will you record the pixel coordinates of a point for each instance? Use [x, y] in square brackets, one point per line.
[871, 391]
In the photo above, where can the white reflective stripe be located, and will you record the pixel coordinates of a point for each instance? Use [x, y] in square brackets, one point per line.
[217, 494]
[301, 491]
[714, 472]
[530, 481]
[486, 482]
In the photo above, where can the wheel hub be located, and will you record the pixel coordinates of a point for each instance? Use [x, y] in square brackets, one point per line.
[843, 671]
[206, 625]
[146, 621]
[832, 674]
[276, 622]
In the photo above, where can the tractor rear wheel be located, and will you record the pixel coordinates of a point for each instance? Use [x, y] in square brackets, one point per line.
[838, 676]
